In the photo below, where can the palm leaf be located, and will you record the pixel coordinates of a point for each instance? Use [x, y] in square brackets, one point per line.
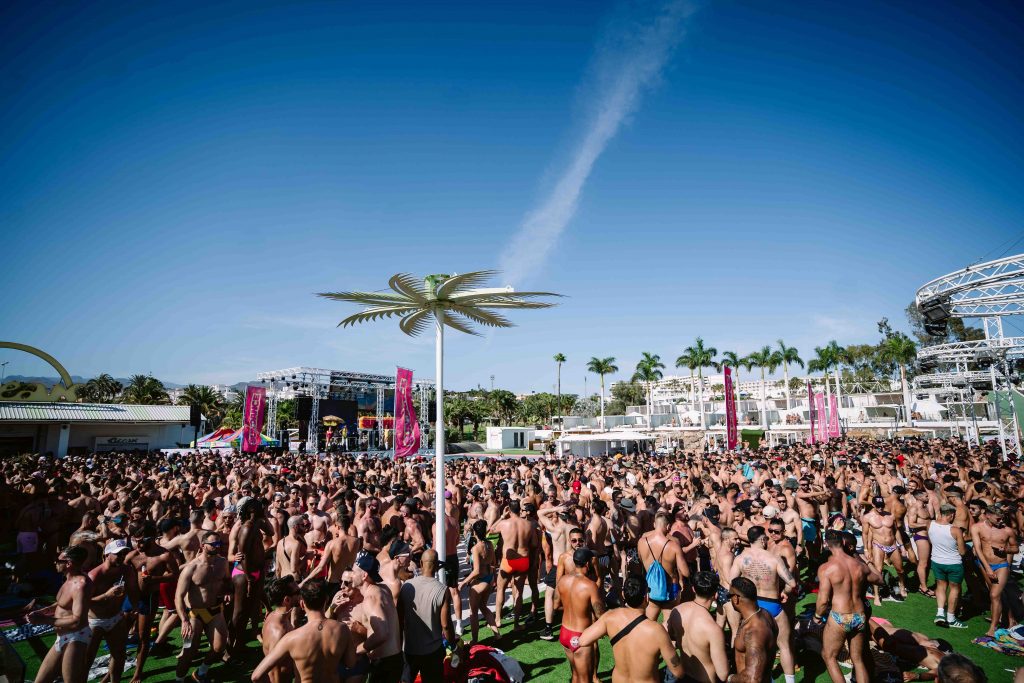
[414, 323]
[475, 297]
[457, 322]
[377, 313]
[366, 298]
[407, 286]
[481, 316]
[457, 283]
[514, 304]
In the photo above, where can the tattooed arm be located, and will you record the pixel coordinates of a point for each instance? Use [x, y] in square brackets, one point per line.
[755, 659]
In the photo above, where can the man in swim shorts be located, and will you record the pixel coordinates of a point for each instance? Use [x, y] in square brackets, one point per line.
[581, 607]
[517, 539]
[69, 615]
[197, 600]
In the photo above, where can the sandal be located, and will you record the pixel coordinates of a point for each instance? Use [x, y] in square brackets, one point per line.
[926, 592]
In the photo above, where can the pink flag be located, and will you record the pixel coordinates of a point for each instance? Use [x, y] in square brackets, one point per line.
[833, 418]
[810, 412]
[407, 429]
[252, 420]
[822, 427]
[730, 411]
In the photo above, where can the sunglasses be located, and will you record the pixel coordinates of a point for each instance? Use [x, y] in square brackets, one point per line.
[575, 541]
[218, 544]
[775, 531]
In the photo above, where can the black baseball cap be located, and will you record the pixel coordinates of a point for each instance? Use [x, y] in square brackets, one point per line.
[581, 556]
[369, 564]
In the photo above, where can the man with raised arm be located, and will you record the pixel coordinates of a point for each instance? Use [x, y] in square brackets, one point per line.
[317, 649]
[638, 643]
[698, 635]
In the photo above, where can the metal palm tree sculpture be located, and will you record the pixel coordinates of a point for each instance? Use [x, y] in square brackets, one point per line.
[457, 301]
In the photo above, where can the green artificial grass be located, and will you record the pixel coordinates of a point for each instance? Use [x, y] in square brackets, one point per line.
[545, 661]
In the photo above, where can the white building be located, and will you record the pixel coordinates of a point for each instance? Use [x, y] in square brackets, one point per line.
[500, 438]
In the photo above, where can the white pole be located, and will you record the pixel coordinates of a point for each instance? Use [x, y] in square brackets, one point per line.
[439, 445]
[602, 403]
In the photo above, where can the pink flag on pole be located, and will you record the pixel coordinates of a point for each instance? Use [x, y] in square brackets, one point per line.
[407, 429]
[833, 417]
[730, 411]
[822, 425]
[252, 420]
[810, 412]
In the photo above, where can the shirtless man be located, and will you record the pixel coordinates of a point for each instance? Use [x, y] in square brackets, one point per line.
[755, 640]
[377, 616]
[698, 636]
[554, 520]
[766, 570]
[638, 644]
[880, 540]
[581, 607]
[69, 616]
[249, 555]
[316, 649]
[598, 539]
[368, 527]
[318, 520]
[112, 581]
[282, 594]
[919, 518]
[339, 554]
[841, 609]
[994, 545]
[791, 519]
[156, 568]
[808, 503]
[197, 600]
[517, 537]
[658, 546]
[292, 550]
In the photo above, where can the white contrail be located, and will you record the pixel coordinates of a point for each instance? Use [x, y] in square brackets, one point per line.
[632, 62]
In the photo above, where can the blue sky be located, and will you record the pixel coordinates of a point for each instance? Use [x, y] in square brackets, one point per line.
[177, 180]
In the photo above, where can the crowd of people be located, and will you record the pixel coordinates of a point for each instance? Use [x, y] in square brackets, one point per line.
[691, 564]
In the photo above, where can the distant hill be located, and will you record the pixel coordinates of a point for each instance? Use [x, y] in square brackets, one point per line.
[77, 379]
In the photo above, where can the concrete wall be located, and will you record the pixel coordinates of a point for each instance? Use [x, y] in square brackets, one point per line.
[58, 438]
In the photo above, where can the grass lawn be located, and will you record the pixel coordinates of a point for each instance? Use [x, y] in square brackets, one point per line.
[545, 661]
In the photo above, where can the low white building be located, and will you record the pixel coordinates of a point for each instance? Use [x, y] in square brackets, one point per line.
[71, 428]
[499, 438]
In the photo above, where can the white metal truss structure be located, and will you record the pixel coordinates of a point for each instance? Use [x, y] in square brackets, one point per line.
[320, 384]
[988, 291]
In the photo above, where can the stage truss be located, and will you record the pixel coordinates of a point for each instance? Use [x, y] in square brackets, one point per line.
[320, 384]
[989, 291]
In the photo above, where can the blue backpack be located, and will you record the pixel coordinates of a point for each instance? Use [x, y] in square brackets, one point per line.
[657, 578]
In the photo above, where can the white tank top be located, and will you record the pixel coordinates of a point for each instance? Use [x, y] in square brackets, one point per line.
[944, 550]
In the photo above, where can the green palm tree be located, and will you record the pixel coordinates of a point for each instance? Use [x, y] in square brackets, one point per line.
[788, 354]
[559, 359]
[766, 360]
[457, 301]
[648, 371]
[698, 357]
[602, 367]
[838, 355]
[210, 402]
[145, 390]
[900, 350]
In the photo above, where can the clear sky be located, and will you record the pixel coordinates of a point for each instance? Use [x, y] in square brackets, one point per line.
[177, 180]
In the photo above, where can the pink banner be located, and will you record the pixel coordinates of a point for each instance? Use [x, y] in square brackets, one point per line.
[821, 433]
[810, 412]
[833, 417]
[407, 429]
[252, 420]
[730, 411]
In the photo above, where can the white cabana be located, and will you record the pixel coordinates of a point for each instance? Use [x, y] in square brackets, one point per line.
[602, 443]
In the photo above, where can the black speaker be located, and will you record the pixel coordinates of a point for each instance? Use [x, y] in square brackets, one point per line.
[432, 412]
[195, 416]
[303, 408]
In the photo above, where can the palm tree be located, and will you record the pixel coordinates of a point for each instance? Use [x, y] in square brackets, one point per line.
[765, 359]
[602, 367]
[559, 359]
[648, 371]
[901, 350]
[210, 402]
[145, 390]
[698, 357]
[788, 354]
[457, 301]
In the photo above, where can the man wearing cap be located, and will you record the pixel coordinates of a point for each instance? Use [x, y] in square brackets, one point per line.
[198, 601]
[112, 581]
[581, 607]
[69, 616]
[377, 616]
[880, 541]
[698, 635]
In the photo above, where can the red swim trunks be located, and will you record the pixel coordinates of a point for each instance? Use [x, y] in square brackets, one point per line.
[565, 637]
[167, 595]
[516, 565]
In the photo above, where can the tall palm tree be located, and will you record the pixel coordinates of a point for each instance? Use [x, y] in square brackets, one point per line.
[210, 402]
[145, 390]
[648, 371]
[457, 301]
[901, 350]
[788, 354]
[768, 360]
[698, 357]
[838, 356]
[602, 367]
[559, 359]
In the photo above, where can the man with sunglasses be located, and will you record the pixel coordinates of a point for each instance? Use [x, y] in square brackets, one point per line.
[282, 595]
[198, 601]
[69, 615]
[755, 641]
